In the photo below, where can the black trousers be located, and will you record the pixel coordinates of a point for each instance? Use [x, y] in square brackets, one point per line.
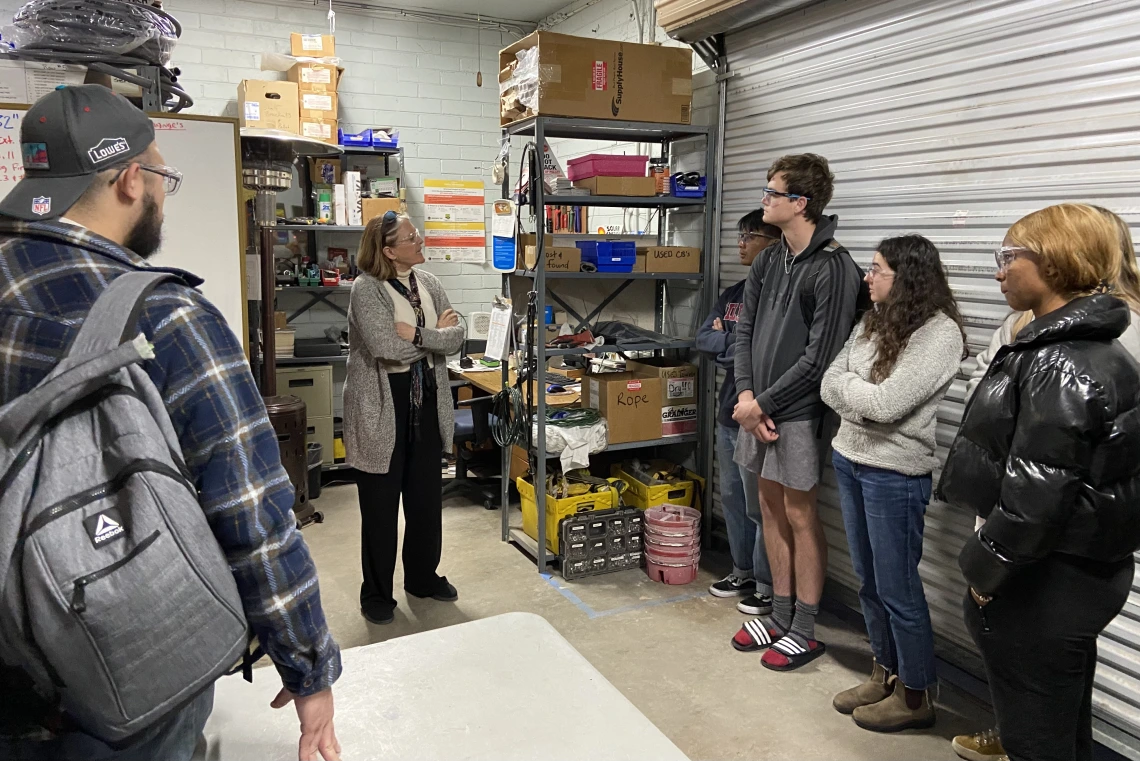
[415, 474]
[1038, 641]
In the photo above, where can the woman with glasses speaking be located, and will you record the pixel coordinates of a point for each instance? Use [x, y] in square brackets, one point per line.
[397, 412]
[1049, 454]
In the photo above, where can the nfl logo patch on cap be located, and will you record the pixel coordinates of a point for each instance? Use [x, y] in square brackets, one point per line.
[41, 205]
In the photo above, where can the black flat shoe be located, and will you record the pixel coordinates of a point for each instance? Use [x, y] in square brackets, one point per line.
[444, 593]
[380, 618]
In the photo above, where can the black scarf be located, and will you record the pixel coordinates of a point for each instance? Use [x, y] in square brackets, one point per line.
[421, 378]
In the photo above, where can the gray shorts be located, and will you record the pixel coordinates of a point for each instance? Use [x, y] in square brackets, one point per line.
[794, 460]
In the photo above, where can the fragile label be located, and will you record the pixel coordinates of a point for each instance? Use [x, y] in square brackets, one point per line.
[316, 76]
[316, 102]
[252, 111]
[680, 388]
[600, 78]
[633, 385]
[312, 42]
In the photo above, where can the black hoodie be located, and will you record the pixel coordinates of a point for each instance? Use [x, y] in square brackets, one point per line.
[781, 351]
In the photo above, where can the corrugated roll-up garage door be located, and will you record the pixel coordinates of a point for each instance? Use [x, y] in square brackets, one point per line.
[952, 120]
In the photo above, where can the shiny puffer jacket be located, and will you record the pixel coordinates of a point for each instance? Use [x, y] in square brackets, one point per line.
[1052, 437]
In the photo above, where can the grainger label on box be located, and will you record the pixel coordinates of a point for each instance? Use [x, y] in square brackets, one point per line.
[679, 420]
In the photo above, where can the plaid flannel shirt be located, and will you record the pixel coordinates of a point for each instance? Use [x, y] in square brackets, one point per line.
[50, 275]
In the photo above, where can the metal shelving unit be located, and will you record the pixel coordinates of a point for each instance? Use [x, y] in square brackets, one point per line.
[541, 128]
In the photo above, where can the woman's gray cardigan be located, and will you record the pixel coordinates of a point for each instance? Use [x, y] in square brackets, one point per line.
[369, 422]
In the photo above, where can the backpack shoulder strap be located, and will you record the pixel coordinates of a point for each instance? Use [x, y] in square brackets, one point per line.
[98, 351]
[115, 314]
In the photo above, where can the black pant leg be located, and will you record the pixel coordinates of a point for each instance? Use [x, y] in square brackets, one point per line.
[423, 504]
[379, 497]
[1039, 654]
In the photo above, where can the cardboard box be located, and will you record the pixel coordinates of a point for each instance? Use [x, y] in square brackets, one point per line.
[324, 171]
[678, 379]
[603, 79]
[558, 258]
[279, 321]
[320, 106]
[265, 104]
[312, 76]
[312, 45]
[619, 186]
[639, 261]
[352, 198]
[630, 403]
[370, 208]
[520, 464]
[319, 129]
[671, 259]
[678, 420]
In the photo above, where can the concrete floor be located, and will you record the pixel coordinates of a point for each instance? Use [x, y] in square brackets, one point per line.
[665, 648]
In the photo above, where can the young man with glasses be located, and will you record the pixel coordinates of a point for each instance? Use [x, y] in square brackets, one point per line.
[800, 302]
[750, 577]
[89, 210]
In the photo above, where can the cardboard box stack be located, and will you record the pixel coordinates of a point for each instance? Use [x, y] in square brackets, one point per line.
[304, 104]
[678, 393]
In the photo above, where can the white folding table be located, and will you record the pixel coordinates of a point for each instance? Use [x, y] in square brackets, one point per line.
[497, 689]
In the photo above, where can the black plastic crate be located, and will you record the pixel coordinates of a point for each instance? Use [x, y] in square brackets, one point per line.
[600, 542]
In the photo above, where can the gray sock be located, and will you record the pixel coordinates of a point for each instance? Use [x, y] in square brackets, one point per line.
[804, 623]
[783, 609]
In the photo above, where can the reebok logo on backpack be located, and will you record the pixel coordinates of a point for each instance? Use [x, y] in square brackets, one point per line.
[117, 600]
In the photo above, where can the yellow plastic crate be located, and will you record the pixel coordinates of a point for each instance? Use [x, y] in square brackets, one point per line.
[557, 509]
[637, 494]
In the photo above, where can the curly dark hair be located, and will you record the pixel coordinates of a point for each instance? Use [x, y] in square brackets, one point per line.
[919, 292]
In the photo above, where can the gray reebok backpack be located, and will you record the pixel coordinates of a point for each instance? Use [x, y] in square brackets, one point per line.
[115, 597]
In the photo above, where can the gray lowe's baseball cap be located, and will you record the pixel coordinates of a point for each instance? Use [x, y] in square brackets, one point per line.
[68, 137]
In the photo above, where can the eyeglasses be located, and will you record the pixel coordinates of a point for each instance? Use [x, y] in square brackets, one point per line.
[1005, 255]
[789, 196]
[746, 237]
[415, 237]
[171, 177]
[877, 272]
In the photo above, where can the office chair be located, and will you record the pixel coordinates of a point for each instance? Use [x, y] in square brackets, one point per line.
[472, 426]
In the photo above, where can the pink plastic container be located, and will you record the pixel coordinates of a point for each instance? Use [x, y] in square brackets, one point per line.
[605, 165]
[667, 574]
[673, 519]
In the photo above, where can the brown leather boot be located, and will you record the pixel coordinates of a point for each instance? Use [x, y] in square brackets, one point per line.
[892, 714]
[871, 691]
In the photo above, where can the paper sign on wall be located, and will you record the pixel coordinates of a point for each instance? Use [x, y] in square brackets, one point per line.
[454, 221]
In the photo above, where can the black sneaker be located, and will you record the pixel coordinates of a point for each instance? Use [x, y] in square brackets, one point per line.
[755, 605]
[444, 592]
[733, 586]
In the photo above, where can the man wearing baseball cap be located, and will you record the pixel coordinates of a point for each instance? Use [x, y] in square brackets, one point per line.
[88, 210]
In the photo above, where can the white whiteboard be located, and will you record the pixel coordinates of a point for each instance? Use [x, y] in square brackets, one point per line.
[202, 231]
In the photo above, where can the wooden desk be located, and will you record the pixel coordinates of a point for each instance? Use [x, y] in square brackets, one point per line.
[492, 382]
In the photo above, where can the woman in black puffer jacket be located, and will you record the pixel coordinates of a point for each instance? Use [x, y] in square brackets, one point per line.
[1052, 437]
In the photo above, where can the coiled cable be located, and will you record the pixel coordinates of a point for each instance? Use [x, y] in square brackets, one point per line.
[509, 416]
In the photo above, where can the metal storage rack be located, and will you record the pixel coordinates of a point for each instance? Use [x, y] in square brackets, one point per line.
[541, 128]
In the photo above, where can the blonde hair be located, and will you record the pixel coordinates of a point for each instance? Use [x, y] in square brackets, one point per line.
[1077, 247]
[1127, 281]
[376, 236]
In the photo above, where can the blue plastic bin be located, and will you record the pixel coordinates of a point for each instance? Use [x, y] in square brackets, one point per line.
[360, 139]
[682, 192]
[609, 255]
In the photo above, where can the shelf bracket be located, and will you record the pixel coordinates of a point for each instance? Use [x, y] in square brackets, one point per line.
[315, 299]
[585, 322]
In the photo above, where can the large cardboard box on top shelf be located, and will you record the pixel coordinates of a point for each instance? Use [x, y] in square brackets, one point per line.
[684, 259]
[630, 403]
[618, 186]
[266, 104]
[603, 79]
[678, 392]
[370, 208]
[312, 45]
[324, 130]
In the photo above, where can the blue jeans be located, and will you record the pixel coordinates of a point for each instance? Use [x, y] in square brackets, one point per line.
[172, 739]
[740, 500]
[883, 514]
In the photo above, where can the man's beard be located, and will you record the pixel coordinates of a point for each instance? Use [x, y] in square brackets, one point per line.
[145, 238]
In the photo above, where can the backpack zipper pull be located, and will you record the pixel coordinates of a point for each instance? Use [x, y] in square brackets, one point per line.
[79, 596]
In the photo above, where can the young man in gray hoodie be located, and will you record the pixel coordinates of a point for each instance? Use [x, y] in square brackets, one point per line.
[800, 303]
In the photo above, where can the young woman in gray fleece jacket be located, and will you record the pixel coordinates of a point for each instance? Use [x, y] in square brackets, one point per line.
[886, 385]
